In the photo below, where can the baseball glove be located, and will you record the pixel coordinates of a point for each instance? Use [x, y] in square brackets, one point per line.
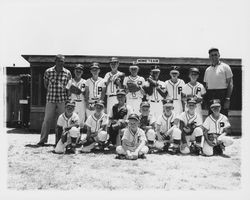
[189, 129]
[210, 137]
[144, 122]
[123, 112]
[133, 87]
[152, 82]
[119, 78]
[75, 90]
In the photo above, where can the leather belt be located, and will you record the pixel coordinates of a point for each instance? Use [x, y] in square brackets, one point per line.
[78, 100]
[112, 95]
[155, 101]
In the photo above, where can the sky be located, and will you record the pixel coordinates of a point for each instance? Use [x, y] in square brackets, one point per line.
[170, 28]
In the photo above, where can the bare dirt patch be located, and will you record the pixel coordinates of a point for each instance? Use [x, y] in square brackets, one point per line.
[38, 168]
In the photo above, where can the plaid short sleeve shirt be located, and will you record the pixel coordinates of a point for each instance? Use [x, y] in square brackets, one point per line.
[57, 81]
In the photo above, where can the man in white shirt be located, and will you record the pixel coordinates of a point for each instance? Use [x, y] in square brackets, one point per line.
[219, 81]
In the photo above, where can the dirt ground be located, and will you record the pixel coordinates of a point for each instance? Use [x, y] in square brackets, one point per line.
[38, 168]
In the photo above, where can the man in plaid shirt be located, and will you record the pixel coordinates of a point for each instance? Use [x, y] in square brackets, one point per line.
[55, 81]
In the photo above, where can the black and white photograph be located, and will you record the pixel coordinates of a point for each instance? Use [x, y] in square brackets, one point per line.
[137, 99]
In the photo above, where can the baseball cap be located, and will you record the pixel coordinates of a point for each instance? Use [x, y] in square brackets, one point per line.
[215, 103]
[213, 49]
[167, 102]
[134, 66]
[100, 103]
[79, 66]
[144, 104]
[114, 59]
[133, 116]
[121, 92]
[95, 65]
[191, 101]
[70, 103]
[155, 68]
[60, 57]
[194, 70]
[174, 69]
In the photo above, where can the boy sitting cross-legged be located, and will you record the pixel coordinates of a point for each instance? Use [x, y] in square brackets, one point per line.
[133, 141]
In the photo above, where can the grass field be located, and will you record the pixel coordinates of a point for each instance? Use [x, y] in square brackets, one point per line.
[38, 168]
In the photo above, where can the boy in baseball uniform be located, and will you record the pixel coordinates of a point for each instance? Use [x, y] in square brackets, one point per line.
[118, 117]
[96, 128]
[216, 126]
[67, 130]
[113, 81]
[133, 85]
[190, 125]
[155, 91]
[174, 87]
[94, 89]
[194, 89]
[76, 91]
[167, 128]
[133, 140]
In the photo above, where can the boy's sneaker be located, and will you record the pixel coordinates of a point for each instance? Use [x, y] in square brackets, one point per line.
[142, 156]
[120, 157]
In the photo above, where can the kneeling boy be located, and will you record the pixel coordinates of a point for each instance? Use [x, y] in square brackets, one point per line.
[216, 126]
[67, 130]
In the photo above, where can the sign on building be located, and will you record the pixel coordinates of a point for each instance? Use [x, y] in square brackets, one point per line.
[148, 61]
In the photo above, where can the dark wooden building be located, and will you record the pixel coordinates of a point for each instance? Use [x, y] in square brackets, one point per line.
[17, 96]
[39, 63]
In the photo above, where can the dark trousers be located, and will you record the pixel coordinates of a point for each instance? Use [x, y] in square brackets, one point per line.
[217, 94]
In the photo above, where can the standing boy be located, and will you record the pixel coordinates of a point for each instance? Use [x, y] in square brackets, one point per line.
[194, 89]
[133, 84]
[113, 81]
[174, 88]
[155, 91]
[94, 89]
[76, 91]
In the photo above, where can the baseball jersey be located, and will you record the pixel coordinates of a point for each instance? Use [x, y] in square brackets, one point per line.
[80, 84]
[65, 122]
[174, 89]
[95, 124]
[156, 95]
[111, 87]
[118, 113]
[166, 122]
[194, 90]
[189, 119]
[95, 88]
[216, 126]
[140, 81]
[57, 81]
[215, 76]
[134, 139]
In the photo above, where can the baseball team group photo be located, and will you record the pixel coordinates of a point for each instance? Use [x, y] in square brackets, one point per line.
[126, 117]
[132, 99]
